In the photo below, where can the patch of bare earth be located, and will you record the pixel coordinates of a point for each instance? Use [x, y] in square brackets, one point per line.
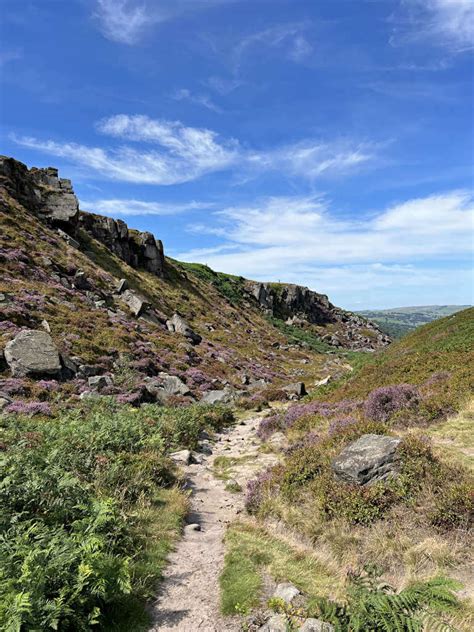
[189, 594]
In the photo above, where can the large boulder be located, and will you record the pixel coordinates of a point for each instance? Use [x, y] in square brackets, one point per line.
[223, 396]
[32, 353]
[180, 326]
[369, 459]
[135, 303]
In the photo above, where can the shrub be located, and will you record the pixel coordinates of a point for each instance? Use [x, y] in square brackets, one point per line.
[454, 507]
[256, 489]
[383, 402]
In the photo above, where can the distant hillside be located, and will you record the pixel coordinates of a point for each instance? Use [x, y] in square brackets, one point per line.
[399, 321]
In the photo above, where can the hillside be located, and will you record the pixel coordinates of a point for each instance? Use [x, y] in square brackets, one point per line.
[398, 321]
[158, 472]
[114, 305]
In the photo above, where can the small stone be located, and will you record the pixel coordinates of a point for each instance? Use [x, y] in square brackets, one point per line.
[45, 325]
[121, 286]
[181, 458]
[286, 591]
[100, 381]
[316, 625]
[276, 623]
[192, 528]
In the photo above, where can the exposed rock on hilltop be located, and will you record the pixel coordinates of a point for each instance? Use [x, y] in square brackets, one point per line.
[298, 305]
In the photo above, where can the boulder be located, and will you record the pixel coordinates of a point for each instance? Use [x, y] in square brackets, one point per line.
[297, 389]
[173, 385]
[369, 459]
[5, 400]
[286, 591]
[181, 458]
[32, 353]
[121, 286]
[135, 303]
[180, 326]
[276, 623]
[224, 396]
[98, 382]
[316, 625]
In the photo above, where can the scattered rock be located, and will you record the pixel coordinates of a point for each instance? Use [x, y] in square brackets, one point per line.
[192, 528]
[276, 623]
[80, 281]
[121, 286]
[286, 591]
[197, 459]
[32, 353]
[316, 625]
[45, 325]
[4, 401]
[98, 382]
[70, 367]
[297, 389]
[68, 239]
[324, 381]
[173, 385]
[86, 370]
[136, 303]
[205, 447]
[180, 326]
[371, 458]
[224, 396]
[181, 458]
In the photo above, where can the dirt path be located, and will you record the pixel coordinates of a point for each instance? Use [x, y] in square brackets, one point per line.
[189, 596]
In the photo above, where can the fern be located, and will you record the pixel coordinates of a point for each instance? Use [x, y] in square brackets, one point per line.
[372, 606]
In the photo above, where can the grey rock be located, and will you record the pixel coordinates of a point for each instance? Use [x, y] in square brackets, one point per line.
[68, 239]
[276, 623]
[181, 458]
[45, 325]
[136, 304]
[80, 281]
[369, 459]
[297, 389]
[121, 286]
[180, 326]
[5, 400]
[98, 382]
[70, 368]
[173, 385]
[286, 591]
[197, 459]
[192, 528]
[205, 447]
[224, 396]
[86, 370]
[316, 625]
[32, 353]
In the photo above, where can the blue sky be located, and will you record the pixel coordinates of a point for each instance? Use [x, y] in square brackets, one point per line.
[323, 142]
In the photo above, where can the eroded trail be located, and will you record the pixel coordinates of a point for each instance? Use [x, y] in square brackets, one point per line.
[189, 594]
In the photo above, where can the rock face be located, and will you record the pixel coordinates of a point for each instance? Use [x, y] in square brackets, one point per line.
[42, 191]
[296, 304]
[139, 250]
[52, 199]
[32, 353]
[180, 326]
[369, 459]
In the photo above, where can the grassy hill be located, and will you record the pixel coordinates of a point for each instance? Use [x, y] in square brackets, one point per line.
[415, 527]
[398, 321]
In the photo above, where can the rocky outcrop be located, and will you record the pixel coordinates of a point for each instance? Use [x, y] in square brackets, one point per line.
[138, 249]
[52, 199]
[41, 191]
[369, 459]
[32, 353]
[298, 305]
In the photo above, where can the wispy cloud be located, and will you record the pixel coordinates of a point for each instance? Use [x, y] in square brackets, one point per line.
[290, 233]
[289, 38]
[170, 153]
[125, 21]
[127, 207]
[445, 23]
[198, 98]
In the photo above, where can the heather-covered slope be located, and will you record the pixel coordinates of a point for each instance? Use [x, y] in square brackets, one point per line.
[113, 305]
[376, 473]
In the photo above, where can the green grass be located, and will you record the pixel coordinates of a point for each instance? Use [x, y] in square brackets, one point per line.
[297, 335]
[222, 466]
[230, 286]
[251, 553]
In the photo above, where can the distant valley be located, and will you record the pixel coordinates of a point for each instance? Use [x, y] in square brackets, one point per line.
[398, 321]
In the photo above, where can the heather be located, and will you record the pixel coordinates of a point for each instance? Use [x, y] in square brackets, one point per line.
[78, 493]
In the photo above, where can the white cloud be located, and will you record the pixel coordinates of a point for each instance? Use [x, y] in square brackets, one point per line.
[198, 98]
[382, 259]
[282, 234]
[125, 21]
[114, 207]
[171, 153]
[446, 23]
[286, 37]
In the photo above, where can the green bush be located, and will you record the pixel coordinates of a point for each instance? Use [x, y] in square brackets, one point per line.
[73, 500]
[454, 507]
